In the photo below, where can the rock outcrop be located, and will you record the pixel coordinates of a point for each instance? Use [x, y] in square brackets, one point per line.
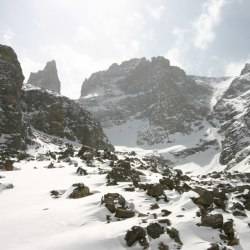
[59, 116]
[23, 112]
[150, 97]
[46, 78]
[232, 116]
[12, 132]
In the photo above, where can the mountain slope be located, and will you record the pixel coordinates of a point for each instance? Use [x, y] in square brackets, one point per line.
[25, 111]
[231, 116]
[149, 98]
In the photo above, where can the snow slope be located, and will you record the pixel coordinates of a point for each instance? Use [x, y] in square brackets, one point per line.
[33, 220]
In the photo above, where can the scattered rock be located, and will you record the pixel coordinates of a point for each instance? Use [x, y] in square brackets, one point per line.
[79, 191]
[124, 213]
[155, 190]
[154, 206]
[205, 199]
[214, 247]
[80, 171]
[7, 165]
[113, 201]
[228, 229]
[165, 212]
[123, 172]
[6, 186]
[214, 221]
[174, 234]
[135, 234]
[163, 246]
[154, 230]
[57, 193]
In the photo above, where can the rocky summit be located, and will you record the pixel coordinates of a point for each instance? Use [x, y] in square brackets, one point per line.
[46, 78]
[149, 98]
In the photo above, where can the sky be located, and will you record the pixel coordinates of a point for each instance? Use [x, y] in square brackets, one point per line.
[204, 37]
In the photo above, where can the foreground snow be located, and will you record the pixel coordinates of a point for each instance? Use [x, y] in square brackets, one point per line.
[32, 220]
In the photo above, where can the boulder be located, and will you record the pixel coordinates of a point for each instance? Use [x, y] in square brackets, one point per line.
[135, 234]
[155, 190]
[214, 221]
[124, 213]
[80, 171]
[205, 199]
[155, 230]
[79, 191]
[123, 172]
[112, 201]
[174, 234]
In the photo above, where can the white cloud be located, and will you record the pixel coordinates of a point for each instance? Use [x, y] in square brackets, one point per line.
[177, 53]
[206, 23]
[175, 57]
[156, 12]
[28, 65]
[6, 37]
[234, 68]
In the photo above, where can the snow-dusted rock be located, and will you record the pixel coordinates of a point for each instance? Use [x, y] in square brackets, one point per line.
[12, 131]
[148, 99]
[46, 78]
[232, 116]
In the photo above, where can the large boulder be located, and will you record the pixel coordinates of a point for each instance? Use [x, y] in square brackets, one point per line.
[155, 230]
[214, 221]
[135, 234]
[79, 190]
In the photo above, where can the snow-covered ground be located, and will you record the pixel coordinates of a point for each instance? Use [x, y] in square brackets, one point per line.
[32, 220]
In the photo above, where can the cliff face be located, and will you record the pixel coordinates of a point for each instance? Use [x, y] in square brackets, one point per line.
[152, 93]
[46, 78]
[232, 116]
[12, 131]
[23, 112]
[61, 117]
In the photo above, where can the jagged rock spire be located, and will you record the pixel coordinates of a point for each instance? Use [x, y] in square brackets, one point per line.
[46, 78]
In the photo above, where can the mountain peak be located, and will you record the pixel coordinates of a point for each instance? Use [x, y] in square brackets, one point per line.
[246, 69]
[46, 78]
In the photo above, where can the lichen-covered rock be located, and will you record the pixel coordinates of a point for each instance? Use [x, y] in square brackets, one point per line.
[46, 78]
